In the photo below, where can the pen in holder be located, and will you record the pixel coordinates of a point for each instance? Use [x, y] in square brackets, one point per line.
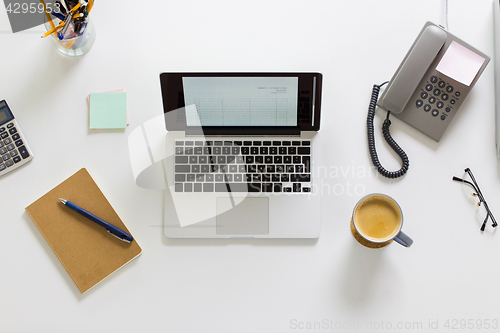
[73, 33]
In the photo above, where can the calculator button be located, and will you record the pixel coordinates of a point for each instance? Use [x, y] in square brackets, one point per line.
[12, 130]
[5, 157]
[2, 167]
[428, 87]
[434, 79]
[7, 141]
[443, 117]
[444, 97]
[10, 125]
[1, 144]
[457, 93]
[427, 108]
[419, 103]
[9, 163]
[441, 84]
[4, 135]
[10, 147]
[19, 142]
[15, 137]
[24, 152]
[424, 94]
[435, 113]
[16, 159]
[440, 105]
[13, 153]
[2, 129]
[436, 92]
[452, 101]
[432, 99]
[449, 89]
[3, 150]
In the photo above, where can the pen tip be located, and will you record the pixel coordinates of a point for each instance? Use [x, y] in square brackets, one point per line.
[62, 200]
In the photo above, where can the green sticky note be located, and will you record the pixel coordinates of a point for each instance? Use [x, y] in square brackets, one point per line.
[108, 110]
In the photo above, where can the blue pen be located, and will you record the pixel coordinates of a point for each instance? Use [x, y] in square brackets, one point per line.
[58, 15]
[118, 233]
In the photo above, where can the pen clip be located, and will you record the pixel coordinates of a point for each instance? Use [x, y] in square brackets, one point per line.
[122, 239]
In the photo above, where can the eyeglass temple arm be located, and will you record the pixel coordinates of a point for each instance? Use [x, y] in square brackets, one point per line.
[467, 182]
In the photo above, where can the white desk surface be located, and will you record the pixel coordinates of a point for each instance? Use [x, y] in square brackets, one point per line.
[447, 278]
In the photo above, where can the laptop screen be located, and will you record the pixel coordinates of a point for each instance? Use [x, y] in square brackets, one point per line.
[242, 103]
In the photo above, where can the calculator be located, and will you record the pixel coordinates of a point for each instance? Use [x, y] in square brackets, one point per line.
[14, 150]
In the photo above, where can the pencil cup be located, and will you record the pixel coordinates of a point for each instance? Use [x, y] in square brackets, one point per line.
[74, 44]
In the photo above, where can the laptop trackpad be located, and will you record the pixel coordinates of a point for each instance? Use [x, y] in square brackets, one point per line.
[250, 217]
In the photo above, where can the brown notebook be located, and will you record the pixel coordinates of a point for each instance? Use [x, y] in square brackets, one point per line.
[87, 251]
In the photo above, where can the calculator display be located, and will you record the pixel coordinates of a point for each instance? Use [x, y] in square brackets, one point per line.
[5, 115]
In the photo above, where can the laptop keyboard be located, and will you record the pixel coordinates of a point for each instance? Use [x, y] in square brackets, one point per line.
[243, 166]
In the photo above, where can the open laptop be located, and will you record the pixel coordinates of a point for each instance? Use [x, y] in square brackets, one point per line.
[242, 147]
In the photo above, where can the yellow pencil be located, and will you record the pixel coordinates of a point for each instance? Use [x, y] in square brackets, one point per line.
[90, 5]
[75, 8]
[48, 17]
[53, 30]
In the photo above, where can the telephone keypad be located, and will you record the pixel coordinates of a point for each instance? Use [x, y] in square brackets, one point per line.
[436, 91]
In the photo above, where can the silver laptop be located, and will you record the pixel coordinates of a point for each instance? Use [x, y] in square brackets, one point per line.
[242, 148]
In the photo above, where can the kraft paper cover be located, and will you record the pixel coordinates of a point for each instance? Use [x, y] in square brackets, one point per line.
[87, 251]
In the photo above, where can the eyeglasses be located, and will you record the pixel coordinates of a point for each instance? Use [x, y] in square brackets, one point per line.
[479, 195]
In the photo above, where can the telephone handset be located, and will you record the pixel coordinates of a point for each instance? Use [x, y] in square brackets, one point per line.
[428, 88]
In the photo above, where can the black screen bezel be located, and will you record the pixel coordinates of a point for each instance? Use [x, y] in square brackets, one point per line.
[173, 99]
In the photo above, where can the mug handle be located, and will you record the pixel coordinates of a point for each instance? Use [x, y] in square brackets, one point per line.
[403, 239]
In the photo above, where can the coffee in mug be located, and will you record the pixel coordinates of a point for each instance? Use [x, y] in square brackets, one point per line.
[378, 219]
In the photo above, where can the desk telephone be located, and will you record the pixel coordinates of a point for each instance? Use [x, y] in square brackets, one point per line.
[428, 88]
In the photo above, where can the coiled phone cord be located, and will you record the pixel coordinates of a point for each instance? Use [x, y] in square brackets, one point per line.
[387, 135]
